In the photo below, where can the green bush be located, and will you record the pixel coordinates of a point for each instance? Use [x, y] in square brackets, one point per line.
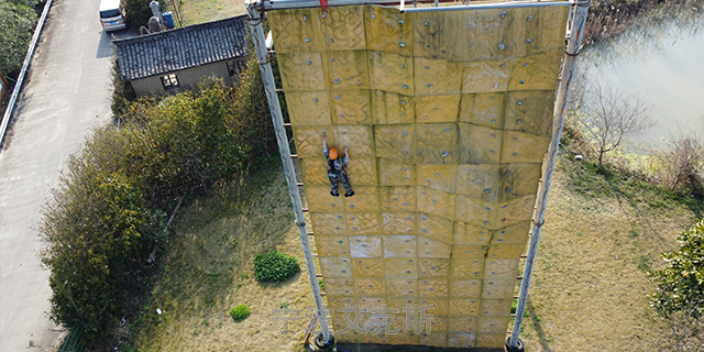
[95, 228]
[240, 312]
[123, 94]
[138, 11]
[680, 285]
[275, 266]
[17, 23]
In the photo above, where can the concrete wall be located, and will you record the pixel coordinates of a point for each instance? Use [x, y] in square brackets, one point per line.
[188, 79]
[447, 116]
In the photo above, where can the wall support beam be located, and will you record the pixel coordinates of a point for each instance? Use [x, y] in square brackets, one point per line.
[255, 26]
[575, 31]
[303, 4]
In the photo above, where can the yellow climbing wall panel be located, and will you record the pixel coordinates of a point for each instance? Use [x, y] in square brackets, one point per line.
[447, 116]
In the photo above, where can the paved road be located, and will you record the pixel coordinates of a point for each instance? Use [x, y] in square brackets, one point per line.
[66, 96]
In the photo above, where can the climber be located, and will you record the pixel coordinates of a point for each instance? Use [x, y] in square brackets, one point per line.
[337, 173]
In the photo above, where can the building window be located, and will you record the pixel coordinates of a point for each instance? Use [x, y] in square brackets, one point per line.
[169, 81]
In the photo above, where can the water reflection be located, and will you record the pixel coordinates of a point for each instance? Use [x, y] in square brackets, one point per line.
[660, 59]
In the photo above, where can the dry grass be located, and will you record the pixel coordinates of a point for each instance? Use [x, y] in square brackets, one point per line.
[588, 291]
[200, 11]
[210, 270]
[589, 287]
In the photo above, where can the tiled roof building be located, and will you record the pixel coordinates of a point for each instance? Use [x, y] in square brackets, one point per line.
[180, 58]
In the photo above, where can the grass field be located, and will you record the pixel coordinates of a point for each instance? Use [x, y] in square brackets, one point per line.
[588, 292]
[199, 11]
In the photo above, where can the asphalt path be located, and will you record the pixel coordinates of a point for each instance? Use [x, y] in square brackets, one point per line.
[66, 96]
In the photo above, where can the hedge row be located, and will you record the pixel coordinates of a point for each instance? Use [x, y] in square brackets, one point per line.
[109, 211]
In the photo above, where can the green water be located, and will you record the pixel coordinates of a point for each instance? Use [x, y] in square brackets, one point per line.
[659, 59]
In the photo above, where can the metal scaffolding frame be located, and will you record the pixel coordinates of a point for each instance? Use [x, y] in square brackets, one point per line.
[255, 25]
[575, 31]
[575, 28]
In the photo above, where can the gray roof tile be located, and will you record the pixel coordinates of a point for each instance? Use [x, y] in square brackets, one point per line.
[181, 48]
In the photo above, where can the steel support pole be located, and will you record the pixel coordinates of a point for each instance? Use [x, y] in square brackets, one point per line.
[255, 25]
[575, 30]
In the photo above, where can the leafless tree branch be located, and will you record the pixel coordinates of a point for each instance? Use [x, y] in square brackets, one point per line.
[612, 116]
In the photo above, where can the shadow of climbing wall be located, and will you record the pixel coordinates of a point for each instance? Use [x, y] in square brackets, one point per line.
[448, 116]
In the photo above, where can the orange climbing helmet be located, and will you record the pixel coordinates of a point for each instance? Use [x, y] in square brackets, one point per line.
[334, 154]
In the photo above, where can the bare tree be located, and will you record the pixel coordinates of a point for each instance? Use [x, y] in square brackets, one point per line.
[682, 162]
[611, 116]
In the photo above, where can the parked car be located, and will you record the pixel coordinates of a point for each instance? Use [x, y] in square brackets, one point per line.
[112, 15]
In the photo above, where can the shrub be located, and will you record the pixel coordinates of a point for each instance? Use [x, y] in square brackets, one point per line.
[96, 226]
[17, 23]
[138, 11]
[680, 285]
[275, 266]
[681, 164]
[123, 94]
[240, 312]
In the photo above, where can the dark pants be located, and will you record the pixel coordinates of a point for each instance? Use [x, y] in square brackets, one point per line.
[335, 180]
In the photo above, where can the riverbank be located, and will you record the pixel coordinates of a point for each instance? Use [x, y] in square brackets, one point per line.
[608, 18]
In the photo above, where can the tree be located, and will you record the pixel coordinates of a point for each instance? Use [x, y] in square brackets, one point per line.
[611, 117]
[138, 11]
[16, 27]
[682, 162]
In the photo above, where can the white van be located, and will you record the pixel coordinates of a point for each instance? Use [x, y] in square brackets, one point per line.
[112, 17]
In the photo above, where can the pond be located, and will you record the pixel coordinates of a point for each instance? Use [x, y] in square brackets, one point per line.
[659, 59]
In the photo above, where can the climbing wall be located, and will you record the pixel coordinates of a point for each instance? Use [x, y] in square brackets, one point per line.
[447, 116]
